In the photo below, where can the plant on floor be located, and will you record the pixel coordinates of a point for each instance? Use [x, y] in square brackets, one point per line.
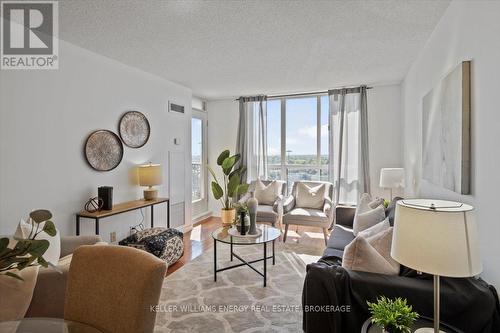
[27, 252]
[393, 316]
[231, 186]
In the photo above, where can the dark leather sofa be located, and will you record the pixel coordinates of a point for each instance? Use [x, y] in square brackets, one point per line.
[334, 299]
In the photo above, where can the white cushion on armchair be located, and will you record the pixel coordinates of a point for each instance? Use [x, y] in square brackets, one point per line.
[267, 195]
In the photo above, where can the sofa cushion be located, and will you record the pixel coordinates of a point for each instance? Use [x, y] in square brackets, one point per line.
[391, 210]
[340, 237]
[266, 195]
[366, 216]
[379, 227]
[310, 197]
[371, 254]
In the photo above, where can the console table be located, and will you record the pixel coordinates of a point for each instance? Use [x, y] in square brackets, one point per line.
[123, 208]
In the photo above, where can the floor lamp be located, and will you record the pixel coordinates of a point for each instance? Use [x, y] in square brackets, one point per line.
[436, 237]
[392, 178]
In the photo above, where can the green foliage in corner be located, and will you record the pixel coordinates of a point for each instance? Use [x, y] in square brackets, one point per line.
[395, 316]
[230, 185]
[27, 252]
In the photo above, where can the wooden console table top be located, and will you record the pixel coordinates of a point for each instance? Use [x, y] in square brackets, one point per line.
[122, 208]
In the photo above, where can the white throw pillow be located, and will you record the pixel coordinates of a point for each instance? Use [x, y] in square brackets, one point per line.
[53, 252]
[375, 229]
[310, 197]
[266, 195]
[366, 216]
[372, 254]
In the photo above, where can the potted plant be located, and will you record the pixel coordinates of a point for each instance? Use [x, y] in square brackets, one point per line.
[393, 316]
[27, 252]
[230, 186]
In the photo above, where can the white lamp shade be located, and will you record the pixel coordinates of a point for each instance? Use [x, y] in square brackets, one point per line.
[440, 241]
[150, 175]
[392, 177]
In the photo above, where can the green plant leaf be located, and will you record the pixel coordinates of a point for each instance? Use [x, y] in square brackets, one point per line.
[225, 154]
[4, 242]
[228, 164]
[38, 247]
[40, 215]
[242, 189]
[217, 191]
[50, 228]
[14, 275]
[232, 186]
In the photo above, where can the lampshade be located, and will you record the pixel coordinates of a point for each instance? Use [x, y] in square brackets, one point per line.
[150, 175]
[436, 237]
[392, 177]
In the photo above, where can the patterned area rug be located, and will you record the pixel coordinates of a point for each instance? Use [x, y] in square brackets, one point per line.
[192, 302]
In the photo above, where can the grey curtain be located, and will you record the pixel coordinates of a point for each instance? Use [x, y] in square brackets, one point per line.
[349, 144]
[251, 142]
[364, 158]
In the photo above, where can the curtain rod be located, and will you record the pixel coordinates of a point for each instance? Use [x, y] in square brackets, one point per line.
[304, 94]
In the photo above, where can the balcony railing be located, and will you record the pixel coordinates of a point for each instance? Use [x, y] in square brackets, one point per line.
[197, 181]
[295, 173]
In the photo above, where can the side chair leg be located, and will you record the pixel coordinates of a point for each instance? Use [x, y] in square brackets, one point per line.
[325, 234]
[286, 231]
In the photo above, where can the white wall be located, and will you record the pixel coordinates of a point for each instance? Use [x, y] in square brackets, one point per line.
[45, 117]
[222, 131]
[467, 31]
[384, 119]
[384, 134]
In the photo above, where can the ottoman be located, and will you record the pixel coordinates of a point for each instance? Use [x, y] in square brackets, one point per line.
[166, 244]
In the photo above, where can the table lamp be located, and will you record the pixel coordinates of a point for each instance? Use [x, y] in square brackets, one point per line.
[150, 175]
[436, 237]
[392, 178]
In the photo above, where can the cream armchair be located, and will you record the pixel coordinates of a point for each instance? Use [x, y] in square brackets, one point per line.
[268, 213]
[321, 218]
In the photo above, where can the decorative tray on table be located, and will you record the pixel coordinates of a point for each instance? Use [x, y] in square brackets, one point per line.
[234, 232]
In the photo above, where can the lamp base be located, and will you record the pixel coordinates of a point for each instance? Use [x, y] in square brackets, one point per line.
[150, 194]
[427, 330]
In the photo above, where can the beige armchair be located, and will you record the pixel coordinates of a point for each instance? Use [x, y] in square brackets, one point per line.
[267, 213]
[321, 218]
[114, 288]
[50, 289]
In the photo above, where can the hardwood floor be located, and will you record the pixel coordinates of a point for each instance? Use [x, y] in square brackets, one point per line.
[199, 240]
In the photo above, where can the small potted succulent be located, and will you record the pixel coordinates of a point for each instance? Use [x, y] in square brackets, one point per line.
[242, 212]
[393, 316]
[230, 186]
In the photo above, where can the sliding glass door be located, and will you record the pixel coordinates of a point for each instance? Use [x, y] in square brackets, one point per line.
[198, 163]
[298, 138]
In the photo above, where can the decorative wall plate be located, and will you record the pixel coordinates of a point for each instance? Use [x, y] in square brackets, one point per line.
[103, 150]
[134, 129]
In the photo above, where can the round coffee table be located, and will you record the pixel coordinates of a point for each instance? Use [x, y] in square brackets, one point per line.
[269, 234]
[421, 322]
[46, 325]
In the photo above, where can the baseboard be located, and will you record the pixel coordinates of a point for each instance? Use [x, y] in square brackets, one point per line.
[200, 217]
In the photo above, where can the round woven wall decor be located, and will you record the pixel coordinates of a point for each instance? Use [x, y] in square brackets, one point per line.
[134, 129]
[103, 150]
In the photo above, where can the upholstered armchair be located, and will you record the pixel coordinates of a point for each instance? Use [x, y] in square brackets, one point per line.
[268, 213]
[321, 217]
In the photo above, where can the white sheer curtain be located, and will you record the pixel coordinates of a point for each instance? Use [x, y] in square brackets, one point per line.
[252, 137]
[349, 144]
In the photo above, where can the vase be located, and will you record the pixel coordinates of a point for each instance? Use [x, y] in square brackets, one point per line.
[227, 216]
[252, 205]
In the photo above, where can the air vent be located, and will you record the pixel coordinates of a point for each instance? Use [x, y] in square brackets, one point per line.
[172, 107]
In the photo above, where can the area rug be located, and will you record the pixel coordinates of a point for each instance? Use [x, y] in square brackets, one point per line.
[192, 302]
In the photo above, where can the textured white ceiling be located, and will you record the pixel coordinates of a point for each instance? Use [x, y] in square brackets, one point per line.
[230, 48]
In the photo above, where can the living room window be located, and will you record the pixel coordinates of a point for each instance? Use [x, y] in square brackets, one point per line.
[298, 138]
